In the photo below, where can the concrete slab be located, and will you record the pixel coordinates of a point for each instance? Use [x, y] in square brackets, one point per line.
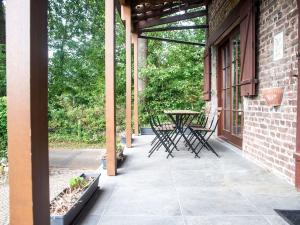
[185, 191]
[141, 220]
[75, 158]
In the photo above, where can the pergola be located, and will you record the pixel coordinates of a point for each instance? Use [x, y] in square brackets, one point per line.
[139, 16]
[27, 90]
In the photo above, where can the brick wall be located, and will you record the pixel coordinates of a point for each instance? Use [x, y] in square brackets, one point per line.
[269, 136]
[219, 10]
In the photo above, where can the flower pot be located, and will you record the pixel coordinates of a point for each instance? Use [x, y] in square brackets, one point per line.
[146, 131]
[273, 96]
[77, 207]
[123, 139]
[104, 163]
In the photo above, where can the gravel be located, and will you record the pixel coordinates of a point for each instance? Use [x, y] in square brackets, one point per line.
[59, 179]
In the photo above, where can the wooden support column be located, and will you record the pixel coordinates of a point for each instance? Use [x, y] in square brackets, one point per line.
[136, 107]
[297, 153]
[126, 10]
[110, 105]
[27, 75]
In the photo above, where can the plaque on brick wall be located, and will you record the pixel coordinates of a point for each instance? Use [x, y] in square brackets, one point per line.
[278, 46]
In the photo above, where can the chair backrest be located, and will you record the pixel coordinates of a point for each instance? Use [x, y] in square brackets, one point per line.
[202, 119]
[219, 111]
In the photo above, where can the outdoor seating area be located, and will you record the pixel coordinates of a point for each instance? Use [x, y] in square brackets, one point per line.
[195, 135]
[187, 191]
[217, 81]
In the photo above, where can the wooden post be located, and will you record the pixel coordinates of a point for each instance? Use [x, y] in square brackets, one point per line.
[297, 153]
[27, 79]
[136, 109]
[127, 15]
[110, 87]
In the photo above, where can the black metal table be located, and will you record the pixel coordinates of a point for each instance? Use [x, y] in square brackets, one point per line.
[182, 119]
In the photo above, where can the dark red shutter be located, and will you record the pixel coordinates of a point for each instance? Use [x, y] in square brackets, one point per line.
[247, 35]
[207, 76]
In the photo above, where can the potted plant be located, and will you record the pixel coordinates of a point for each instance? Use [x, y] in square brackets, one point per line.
[119, 155]
[103, 161]
[147, 131]
[123, 138]
[66, 206]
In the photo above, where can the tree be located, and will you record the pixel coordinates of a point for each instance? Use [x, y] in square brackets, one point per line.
[76, 70]
[2, 51]
[173, 82]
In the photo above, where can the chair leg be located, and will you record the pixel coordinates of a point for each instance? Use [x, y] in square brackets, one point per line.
[154, 140]
[206, 144]
[211, 148]
[163, 138]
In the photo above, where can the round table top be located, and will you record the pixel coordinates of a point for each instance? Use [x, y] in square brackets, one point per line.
[181, 112]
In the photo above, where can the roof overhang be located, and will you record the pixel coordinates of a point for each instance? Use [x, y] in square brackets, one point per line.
[150, 13]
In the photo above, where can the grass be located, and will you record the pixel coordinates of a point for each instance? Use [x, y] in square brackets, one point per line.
[74, 145]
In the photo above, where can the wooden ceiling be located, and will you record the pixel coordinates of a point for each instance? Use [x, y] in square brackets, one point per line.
[149, 13]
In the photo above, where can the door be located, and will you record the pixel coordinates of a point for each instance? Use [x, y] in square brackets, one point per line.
[230, 99]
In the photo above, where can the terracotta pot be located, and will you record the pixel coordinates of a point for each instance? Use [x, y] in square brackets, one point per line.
[273, 96]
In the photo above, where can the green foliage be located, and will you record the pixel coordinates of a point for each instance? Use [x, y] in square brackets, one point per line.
[173, 75]
[2, 71]
[78, 183]
[76, 71]
[3, 128]
[77, 124]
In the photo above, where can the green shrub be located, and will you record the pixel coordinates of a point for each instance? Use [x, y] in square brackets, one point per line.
[3, 128]
[78, 124]
[172, 82]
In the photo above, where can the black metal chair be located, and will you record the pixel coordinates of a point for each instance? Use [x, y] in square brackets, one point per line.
[203, 134]
[202, 120]
[164, 133]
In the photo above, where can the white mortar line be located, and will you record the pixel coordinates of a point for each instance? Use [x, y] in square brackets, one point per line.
[178, 197]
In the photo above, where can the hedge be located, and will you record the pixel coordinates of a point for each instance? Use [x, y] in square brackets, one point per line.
[3, 128]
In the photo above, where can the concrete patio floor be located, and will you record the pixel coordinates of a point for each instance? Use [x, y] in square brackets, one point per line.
[186, 191]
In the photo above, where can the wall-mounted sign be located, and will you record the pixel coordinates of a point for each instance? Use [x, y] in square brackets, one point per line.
[278, 46]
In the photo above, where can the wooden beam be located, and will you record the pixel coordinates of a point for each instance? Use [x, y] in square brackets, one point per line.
[171, 28]
[110, 111]
[165, 11]
[27, 80]
[171, 19]
[155, 2]
[142, 8]
[127, 16]
[171, 40]
[135, 108]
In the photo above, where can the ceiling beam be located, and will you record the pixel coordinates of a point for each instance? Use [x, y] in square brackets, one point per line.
[152, 1]
[166, 11]
[171, 28]
[172, 40]
[171, 19]
[146, 7]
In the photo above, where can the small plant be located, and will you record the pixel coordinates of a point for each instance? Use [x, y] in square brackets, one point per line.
[1, 170]
[78, 183]
[119, 148]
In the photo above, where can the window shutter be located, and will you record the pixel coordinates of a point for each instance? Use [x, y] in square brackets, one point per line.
[247, 36]
[207, 75]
